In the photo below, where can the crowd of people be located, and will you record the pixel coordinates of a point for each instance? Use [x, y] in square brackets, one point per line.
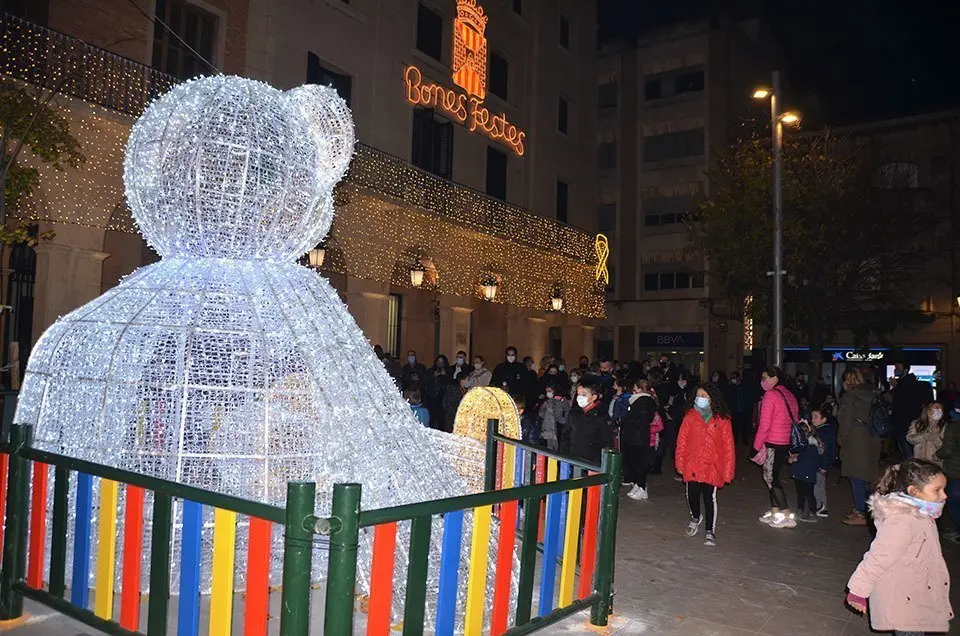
[886, 433]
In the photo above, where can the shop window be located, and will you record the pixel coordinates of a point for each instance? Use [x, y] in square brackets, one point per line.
[317, 73]
[429, 32]
[394, 325]
[432, 143]
[496, 173]
[674, 145]
[194, 28]
[499, 75]
[562, 201]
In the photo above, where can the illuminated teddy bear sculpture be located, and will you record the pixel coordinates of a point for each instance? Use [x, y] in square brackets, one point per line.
[227, 365]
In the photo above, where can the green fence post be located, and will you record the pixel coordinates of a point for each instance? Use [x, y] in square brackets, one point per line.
[612, 464]
[490, 467]
[15, 537]
[342, 570]
[9, 408]
[297, 560]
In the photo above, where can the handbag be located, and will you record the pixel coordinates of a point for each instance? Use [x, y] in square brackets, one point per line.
[797, 438]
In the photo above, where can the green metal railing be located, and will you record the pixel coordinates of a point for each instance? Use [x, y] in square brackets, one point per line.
[588, 546]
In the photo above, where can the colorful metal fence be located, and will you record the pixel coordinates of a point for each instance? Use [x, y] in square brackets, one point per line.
[559, 507]
[520, 479]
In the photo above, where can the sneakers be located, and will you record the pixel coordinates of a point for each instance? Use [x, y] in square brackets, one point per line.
[711, 539]
[678, 478]
[638, 493]
[783, 520]
[823, 512]
[855, 518]
[693, 527]
[807, 517]
[766, 517]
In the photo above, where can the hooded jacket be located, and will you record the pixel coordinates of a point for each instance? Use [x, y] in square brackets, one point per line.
[904, 574]
[705, 450]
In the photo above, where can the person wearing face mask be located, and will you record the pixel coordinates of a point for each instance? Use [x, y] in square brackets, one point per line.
[705, 457]
[926, 433]
[670, 371]
[460, 366]
[436, 388]
[480, 376]
[451, 400]
[575, 376]
[741, 405]
[511, 375]
[677, 405]
[771, 444]
[413, 374]
[588, 429]
[639, 436]
[584, 364]
[903, 577]
[553, 414]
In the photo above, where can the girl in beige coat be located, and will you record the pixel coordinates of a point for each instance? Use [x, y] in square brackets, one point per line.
[926, 433]
[904, 575]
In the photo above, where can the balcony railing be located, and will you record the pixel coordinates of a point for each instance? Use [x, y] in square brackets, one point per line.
[52, 60]
[58, 62]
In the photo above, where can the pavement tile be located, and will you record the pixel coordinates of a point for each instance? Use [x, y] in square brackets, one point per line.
[790, 622]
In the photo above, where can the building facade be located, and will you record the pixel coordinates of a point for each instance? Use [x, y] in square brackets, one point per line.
[474, 163]
[665, 99]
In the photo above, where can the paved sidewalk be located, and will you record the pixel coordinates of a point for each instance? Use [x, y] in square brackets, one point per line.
[757, 580]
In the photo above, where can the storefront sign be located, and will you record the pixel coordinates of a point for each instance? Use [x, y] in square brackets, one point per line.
[857, 356]
[693, 339]
[470, 74]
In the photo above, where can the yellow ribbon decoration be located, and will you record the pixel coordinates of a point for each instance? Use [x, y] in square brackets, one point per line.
[602, 246]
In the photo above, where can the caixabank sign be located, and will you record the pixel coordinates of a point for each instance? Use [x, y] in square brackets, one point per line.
[469, 72]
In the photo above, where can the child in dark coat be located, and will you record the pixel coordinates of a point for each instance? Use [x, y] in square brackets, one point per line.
[805, 454]
[588, 429]
[827, 427]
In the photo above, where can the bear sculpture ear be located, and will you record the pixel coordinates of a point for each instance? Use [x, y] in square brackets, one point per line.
[330, 126]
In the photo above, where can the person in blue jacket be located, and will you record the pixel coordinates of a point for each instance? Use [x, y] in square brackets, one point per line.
[827, 426]
[806, 450]
[415, 399]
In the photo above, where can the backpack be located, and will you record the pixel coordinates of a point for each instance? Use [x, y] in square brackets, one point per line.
[881, 418]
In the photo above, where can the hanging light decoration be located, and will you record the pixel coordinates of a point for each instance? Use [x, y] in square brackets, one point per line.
[416, 273]
[490, 285]
[316, 256]
[556, 299]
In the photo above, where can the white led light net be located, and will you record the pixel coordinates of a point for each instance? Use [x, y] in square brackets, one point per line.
[226, 365]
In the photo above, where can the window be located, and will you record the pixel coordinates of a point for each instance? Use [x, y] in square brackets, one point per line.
[607, 159]
[432, 143]
[518, 7]
[196, 27]
[658, 211]
[901, 174]
[496, 173]
[318, 74]
[607, 95]
[499, 75]
[665, 281]
[429, 32]
[686, 143]
[652, 90]
[564, 32]
[562, 201]
[688, 83]
[563, 115]
[607, 219]
[394, 317]
[673, 83]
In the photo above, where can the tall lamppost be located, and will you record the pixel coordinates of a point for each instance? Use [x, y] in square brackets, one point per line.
[777, 119]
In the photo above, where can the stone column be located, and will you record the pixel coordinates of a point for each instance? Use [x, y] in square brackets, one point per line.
[536, 340]
[455, 317]
[67, 277]
[367, 302]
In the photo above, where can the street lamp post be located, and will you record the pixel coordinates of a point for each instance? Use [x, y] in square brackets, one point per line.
[777, 119]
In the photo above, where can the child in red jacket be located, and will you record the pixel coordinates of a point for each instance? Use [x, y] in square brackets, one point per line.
[705, 457]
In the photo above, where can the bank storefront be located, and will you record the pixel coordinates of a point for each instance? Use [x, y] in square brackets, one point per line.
[926, 362]
[685, 348]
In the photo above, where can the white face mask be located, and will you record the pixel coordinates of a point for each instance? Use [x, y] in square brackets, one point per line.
[511, 359]
[582, 401]
[702, 402]
[574, 378]
[562, 367]
[936, 415]
[682, 384]
[549, 394]
[460, 362]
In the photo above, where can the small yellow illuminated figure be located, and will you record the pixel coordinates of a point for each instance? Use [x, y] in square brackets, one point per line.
[482, 403]
[602, 246]
[470, 48]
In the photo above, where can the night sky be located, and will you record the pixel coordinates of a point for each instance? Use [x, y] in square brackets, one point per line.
[859, 60]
